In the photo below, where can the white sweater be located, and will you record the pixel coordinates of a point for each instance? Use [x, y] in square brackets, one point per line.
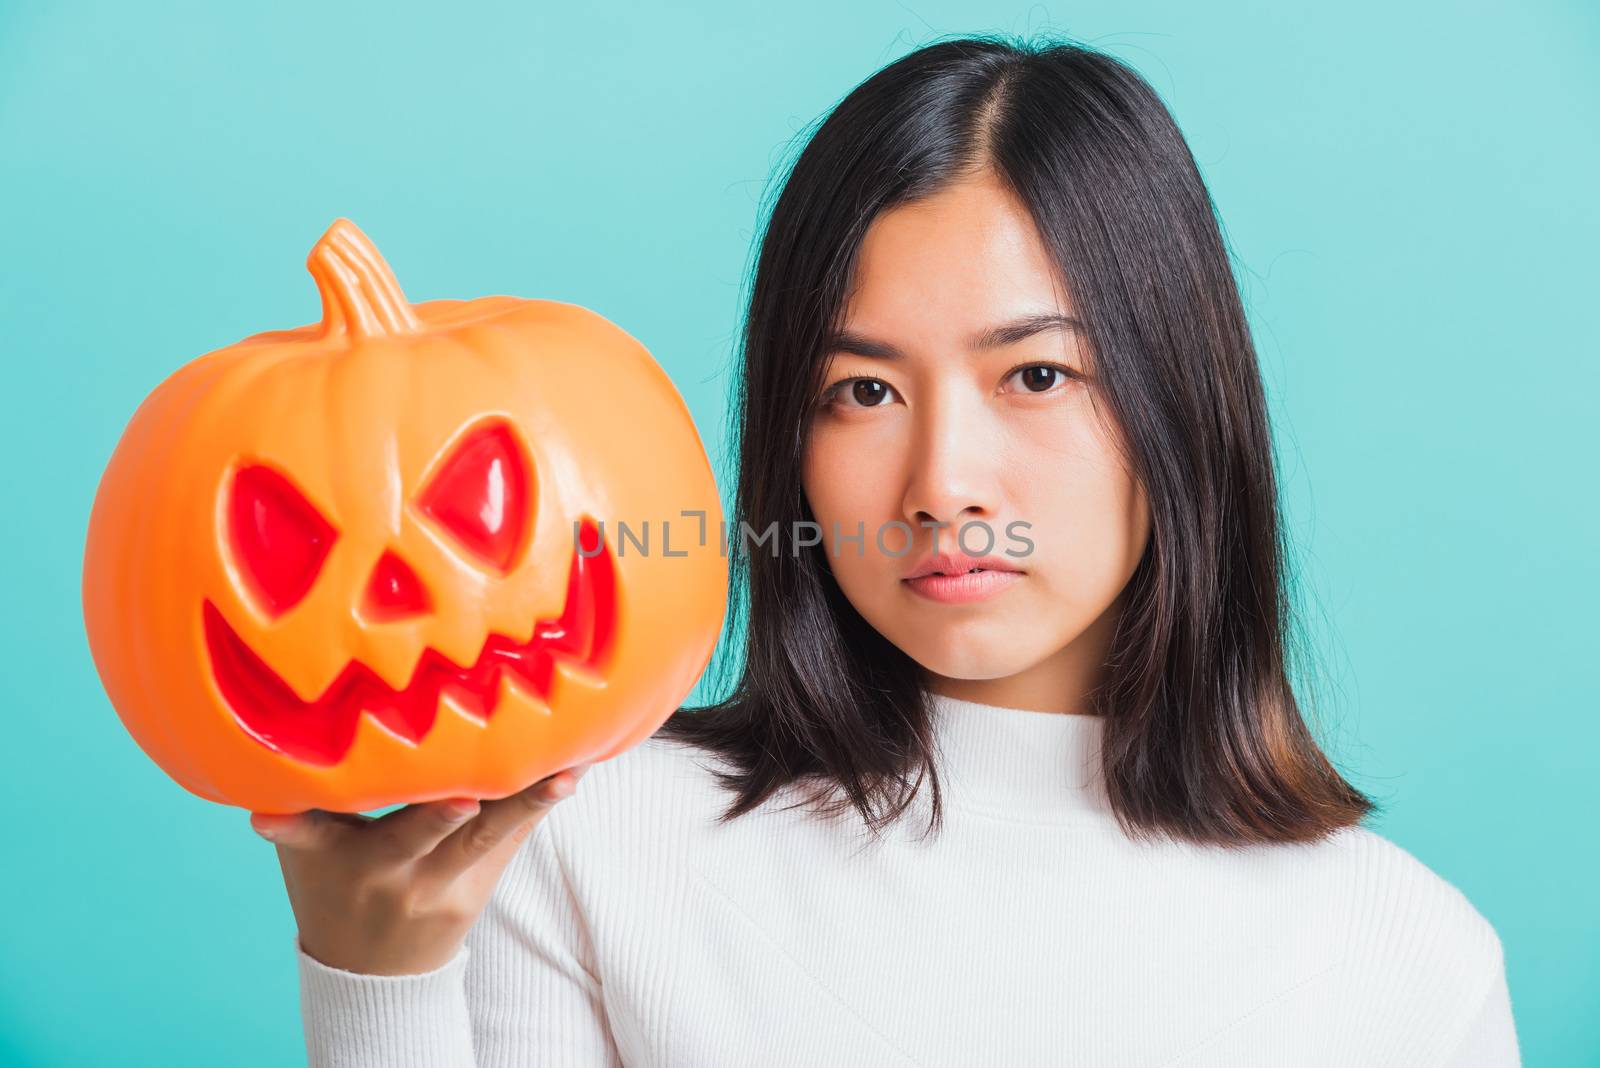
[632, 929]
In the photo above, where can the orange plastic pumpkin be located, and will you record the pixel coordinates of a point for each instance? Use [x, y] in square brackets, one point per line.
[376, 559]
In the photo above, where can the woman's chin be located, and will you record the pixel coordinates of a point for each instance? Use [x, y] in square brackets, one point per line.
[971, 651]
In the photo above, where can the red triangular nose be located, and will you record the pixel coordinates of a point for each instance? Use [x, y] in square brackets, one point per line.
[394, 591]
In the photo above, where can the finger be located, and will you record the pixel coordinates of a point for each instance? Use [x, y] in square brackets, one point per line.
[415, 830]
[312, 829]
[498, 820]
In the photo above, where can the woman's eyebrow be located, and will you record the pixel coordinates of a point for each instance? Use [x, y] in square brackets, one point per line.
[1021, 329]
[994, 337]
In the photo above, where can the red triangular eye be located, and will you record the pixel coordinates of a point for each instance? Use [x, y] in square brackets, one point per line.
[481, 495]
[279, 538]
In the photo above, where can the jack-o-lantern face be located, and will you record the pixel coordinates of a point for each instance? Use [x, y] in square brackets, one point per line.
[345, 566]
[481, 498]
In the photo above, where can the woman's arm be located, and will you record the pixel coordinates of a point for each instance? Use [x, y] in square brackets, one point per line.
[531, 980]
[384, 908]
[1491, 1040]
[350, 1018]
[521, 991]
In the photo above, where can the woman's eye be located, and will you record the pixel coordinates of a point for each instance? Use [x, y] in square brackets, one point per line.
[869, 391]
[1039, 377]
[858, 392]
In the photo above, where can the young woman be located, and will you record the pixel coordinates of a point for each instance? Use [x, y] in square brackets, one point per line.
[1011, 771]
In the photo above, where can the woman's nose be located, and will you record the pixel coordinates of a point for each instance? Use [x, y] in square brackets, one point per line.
[953, 476]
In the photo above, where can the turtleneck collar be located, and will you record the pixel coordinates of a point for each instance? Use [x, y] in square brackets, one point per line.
[1018, 763]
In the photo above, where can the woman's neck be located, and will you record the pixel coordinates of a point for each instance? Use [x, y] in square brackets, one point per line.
[1027, 764]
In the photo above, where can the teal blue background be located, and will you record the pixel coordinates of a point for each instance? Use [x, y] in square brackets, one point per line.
[1411, 191]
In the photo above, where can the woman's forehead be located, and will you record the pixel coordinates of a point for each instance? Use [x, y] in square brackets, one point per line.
[964, 261]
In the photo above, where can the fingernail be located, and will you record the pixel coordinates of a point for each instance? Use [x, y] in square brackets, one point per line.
[460, 814]
[270, 834]
[562, 788]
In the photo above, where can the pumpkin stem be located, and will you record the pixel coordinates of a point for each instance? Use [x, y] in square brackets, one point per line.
[359, 293]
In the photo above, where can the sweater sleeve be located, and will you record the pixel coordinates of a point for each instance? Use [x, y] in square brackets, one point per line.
[523, 990]
[532, 978]
[1491, 1039]
[352, 1020]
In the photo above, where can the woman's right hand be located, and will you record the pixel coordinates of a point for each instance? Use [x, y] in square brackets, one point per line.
[396, 894]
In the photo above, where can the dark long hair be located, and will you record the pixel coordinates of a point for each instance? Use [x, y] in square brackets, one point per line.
[1204, 736]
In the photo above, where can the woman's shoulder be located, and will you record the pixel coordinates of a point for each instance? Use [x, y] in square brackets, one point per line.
[660, 791]
[1388, 884]
[1392, 949]
[663, 774]
[665, 806]
[1412, 937]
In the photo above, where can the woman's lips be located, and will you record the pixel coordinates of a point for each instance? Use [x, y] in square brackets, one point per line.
[961, 589]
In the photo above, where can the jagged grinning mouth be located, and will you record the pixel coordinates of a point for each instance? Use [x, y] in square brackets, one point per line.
[321, 732]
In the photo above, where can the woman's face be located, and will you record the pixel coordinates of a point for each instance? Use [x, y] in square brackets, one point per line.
[1000, 436]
